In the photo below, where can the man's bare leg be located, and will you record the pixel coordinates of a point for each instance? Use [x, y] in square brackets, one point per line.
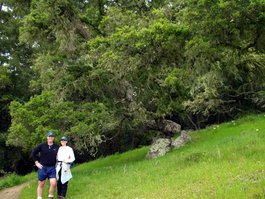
[53, 182]
[40, 188]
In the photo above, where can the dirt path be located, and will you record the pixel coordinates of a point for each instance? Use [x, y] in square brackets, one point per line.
[13, 192]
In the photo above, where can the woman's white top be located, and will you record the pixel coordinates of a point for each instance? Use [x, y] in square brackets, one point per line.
[65, 155]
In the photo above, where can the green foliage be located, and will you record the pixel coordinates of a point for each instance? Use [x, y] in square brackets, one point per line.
[4, 78]
[84, 124]
[137, 54]
[220, 55]
[103, 68]
[206, 90]
[90, 122]
[14, 59]
[15, 74]
[51, 22]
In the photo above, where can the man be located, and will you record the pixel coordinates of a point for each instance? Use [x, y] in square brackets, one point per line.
[44, 156]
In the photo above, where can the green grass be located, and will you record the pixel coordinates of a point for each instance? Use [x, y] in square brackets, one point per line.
[222, 161]
[12, 179]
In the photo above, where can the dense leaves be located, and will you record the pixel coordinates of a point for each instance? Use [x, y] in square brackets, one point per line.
[227, 37]
[103, 69]
[15, 73]
[84, 124]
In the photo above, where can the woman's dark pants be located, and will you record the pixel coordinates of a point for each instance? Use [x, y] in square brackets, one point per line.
[61, 188]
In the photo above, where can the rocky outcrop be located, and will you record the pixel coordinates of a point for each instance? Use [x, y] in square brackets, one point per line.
[181, 140]
[159, 148]
[166, 128]
[163, 145]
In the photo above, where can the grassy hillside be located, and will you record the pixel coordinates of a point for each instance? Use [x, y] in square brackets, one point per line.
[12, 179]
[225, 161]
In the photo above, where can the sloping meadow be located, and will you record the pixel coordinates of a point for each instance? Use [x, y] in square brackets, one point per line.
[222, 161]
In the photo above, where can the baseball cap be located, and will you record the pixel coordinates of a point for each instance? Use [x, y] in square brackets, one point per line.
[51, 134]
[64, 138]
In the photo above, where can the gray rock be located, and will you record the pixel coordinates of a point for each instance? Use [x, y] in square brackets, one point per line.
[181, 140]
[159, 148]
[172, 127]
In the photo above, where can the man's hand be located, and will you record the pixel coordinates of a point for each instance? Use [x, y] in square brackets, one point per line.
[39, 165]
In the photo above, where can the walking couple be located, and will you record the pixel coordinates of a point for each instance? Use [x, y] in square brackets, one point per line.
[53, 162]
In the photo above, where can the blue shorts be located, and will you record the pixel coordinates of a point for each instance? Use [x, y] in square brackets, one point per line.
[46, 172]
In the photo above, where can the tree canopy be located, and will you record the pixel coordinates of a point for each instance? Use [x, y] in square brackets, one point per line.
[100, 70]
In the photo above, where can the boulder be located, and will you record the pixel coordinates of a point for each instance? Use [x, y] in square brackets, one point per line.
[163, 145]
[159, 148]
[181, 140]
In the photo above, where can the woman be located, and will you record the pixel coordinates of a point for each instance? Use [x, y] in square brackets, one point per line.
[65, 157]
